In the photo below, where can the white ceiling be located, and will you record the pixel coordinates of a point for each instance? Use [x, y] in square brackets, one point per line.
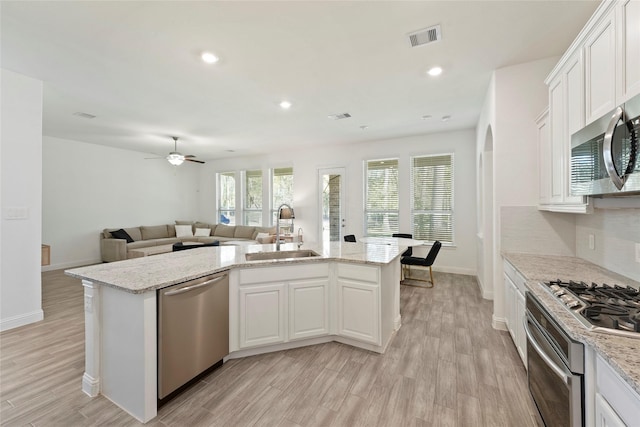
[136, 66]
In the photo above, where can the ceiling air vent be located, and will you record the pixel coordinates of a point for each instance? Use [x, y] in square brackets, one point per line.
[339, 116]
[426, 36]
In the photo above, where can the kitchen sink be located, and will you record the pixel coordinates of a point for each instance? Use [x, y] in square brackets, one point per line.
[261, 256]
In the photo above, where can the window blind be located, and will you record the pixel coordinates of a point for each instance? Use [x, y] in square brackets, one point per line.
[227, 198]
[432, 198]
[381, 205]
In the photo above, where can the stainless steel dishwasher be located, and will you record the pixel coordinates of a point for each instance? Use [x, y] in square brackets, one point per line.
[193, 330]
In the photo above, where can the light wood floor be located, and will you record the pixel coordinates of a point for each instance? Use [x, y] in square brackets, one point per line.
[445, 366]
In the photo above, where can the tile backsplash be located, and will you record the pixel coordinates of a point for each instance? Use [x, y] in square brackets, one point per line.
[528, 230]
[615, 234]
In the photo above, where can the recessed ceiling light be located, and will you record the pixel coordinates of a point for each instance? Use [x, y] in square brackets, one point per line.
[435, 71]
[363, 127]
[209, 58]
[427, 117]
[445, 118]
[285, 105]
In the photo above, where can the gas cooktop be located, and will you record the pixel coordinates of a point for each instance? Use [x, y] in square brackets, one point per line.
[601, 308]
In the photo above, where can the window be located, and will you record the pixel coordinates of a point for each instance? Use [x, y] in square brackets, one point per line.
[432, 198]
[282, 189]
[227, 198]
[252, 203]
[381, 205]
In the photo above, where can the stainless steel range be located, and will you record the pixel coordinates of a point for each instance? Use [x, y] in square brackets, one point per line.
[601, 308]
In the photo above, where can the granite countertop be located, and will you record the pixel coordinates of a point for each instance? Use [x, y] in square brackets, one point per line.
[620, 352]
[140, 275]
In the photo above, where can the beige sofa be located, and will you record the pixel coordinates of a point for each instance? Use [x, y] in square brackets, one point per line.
[113, 249]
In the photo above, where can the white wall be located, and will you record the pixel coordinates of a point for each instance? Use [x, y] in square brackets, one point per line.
[516, 97]
[21, 175]
[460, 259]
[88, 187]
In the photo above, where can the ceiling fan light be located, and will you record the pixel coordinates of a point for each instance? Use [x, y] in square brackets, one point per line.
[175, 159]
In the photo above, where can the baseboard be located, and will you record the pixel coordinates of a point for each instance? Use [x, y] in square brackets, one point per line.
[90, 385]
[499, 323]
[21, 320]
[452, 270]
[72, 264]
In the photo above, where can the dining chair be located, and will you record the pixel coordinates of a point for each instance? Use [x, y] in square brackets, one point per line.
[350, 238]
[423, 262]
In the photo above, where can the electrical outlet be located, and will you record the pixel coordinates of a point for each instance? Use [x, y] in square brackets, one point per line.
[592, 241]
[637, 252]
[88, 303]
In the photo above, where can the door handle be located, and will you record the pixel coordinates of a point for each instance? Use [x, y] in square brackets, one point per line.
[547, 360]
[190, 288]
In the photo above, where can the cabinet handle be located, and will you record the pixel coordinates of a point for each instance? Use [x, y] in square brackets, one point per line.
[190, 288]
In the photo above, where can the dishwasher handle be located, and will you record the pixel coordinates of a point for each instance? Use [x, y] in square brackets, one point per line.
[190, 288]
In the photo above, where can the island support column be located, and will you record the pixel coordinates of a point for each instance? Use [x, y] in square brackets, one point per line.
[91, 377]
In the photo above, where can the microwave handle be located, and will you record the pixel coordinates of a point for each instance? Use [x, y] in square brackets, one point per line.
[607, 153]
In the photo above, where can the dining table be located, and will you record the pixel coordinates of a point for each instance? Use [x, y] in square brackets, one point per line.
[398, 241]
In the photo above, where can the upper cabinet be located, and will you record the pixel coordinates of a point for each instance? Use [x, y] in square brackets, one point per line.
[628, 49]
[600, 70]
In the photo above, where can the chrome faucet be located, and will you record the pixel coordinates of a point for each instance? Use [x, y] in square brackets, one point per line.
[292, 216]
[299, 237]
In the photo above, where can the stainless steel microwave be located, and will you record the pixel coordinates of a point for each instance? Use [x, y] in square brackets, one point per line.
[604, 154]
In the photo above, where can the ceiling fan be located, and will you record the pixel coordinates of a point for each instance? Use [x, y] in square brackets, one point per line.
[176, 158]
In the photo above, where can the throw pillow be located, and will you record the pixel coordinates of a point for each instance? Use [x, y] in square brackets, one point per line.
[121, 234]
[261, 236]
[184, 231]
[201, 232]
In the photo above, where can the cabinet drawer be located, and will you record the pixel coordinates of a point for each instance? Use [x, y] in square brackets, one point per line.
[358, 272]
[622, 398]
[284, 273]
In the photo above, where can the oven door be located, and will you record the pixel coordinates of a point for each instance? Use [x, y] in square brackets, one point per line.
[556, 391]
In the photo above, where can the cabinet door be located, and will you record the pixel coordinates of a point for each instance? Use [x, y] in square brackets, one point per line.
[262, 315]
[544, 158]
[600, 56]
[308, 308]
[605, 415]
[521, 337]
[629, 49]
[557, 132]
[358, 310]
[574, 116]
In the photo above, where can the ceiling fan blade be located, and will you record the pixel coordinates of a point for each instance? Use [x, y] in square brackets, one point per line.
[193, 160]
[189, 156]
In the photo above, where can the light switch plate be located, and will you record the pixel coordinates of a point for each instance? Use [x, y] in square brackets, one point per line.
[592, 241]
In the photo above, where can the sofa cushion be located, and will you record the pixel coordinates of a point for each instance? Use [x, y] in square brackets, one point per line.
[268, 230]
[140, 244]
[134, 232]
[202, 232]
[225, 230]
[244, 232]
[171, 229]
[154, 232]
[208, 239]
[121, 234]
[184, 230]
[165, 241]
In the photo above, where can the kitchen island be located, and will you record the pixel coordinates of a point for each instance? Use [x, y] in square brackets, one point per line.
[347, 293]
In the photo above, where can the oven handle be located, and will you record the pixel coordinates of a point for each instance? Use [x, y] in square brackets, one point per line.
[550, 363]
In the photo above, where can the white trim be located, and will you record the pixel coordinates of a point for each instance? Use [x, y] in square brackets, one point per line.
[499, 323]
[21, 320]
[90, 385]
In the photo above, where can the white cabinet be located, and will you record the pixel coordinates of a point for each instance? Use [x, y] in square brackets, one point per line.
[514, 289]
[262, 314]
[358, 290]
[279, 304]
[628, 48]
[605, 415]
[617, 404]
[600, 69]
[308, 308]
[566, 115]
